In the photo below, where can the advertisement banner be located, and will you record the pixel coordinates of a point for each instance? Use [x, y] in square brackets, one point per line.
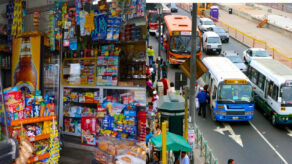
[26, 63]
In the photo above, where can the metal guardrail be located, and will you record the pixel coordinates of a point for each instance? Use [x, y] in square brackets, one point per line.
[247, 39]
[279, 6]
[205, 151]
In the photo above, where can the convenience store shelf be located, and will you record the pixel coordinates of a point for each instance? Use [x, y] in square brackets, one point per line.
[39, 137]
[32, 120]
[37, 158]
[108, 87]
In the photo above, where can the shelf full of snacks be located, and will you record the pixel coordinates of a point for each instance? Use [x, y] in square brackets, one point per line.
[31, 117]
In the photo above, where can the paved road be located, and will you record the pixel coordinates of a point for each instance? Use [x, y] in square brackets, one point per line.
[262, 143]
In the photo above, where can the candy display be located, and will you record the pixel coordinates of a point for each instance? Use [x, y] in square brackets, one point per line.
[32, 118]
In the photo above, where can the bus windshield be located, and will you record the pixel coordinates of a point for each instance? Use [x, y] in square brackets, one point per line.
[235, 93]
[286, 95]
[181, 44]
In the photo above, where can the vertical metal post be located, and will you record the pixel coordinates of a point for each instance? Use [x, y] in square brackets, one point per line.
[159, 45]
[193, 65]
[206, 151]
[164, 151]
[186, 115]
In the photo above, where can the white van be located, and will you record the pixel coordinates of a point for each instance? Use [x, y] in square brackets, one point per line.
[212, 43]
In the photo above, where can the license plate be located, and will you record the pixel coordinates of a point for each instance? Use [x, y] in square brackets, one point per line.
[235, 118]
[214, 49]
[223, 38]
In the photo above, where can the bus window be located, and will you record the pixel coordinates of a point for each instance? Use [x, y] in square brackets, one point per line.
[254, 76]
[275, 93]
[270, 91]
[261, 81]
[286, 95]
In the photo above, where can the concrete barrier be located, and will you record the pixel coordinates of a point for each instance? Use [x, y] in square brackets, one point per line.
[255, 20]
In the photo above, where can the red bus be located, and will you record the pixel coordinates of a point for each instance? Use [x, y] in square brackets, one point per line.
[153, 19]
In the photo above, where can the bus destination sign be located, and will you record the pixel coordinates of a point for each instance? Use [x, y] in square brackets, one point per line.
[186, 33]
[235, 82]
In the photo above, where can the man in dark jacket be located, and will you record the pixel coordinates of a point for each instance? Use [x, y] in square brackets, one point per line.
[203, 97]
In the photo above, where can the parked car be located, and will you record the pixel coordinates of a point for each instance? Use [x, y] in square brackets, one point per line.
[255, 53]
[234, 57]
[224, 36]
[173, 8]
[211, 42]
[205, 24]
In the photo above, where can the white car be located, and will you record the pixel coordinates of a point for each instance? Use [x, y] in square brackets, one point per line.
[255, 53]
[206, 24]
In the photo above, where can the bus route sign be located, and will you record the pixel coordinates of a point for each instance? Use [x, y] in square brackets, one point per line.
[288, 83]
[235, 82]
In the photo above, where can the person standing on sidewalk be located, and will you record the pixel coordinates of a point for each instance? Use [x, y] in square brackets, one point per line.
[165, 85]
[164, 70]
[203, 96]
[155, 99]
[171, 89]
[149, 87]
[183, 159]
[149, 135]
[150, 53]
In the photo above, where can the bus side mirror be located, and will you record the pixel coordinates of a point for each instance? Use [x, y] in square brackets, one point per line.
[279, 99]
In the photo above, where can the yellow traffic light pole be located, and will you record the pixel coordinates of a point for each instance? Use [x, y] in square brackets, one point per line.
[164, 150]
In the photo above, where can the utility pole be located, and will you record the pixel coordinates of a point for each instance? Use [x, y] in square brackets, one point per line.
[193, 64]
[159, 45]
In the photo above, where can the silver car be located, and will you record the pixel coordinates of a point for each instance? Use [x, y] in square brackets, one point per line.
[234, 57]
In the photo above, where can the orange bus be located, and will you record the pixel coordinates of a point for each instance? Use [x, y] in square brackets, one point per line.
[177, 32]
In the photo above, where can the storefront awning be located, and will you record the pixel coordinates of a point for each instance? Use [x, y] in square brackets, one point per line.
[200, 68]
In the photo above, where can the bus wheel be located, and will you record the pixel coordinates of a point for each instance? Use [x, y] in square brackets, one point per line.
[273, 119]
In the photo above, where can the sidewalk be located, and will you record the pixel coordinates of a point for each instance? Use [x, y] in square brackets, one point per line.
[275, 39]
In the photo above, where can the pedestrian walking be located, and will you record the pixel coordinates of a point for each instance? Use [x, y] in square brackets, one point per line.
[147, 40]
[183, 159]
[164, 70]
[171, 89]
[151, 114]
[165, 85]
[155, 99]
[149, 87]
[148, 72]
[203, 96]
[150, 53]
[230, 161]
[153, 73]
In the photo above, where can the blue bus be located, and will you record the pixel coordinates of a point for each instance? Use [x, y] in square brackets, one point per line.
[231, 92]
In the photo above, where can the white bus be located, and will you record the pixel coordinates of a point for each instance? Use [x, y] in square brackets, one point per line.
[231, 97]
[272, 81]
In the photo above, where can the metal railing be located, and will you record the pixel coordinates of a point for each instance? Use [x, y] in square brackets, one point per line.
[248, 40]
[205, 151]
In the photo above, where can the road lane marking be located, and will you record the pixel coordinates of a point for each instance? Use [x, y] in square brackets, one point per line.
[272, 147]
[289, 131]
[232, 135]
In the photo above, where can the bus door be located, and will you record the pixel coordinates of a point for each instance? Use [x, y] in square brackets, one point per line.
[211, 89]
[267, 82]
